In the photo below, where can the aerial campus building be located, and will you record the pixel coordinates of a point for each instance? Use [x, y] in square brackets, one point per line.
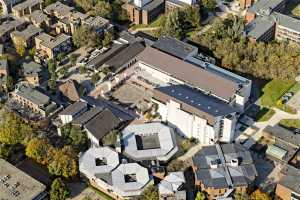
[221, 169]
[102, 166]
[151, 141]
[195, 97]
[17, 185]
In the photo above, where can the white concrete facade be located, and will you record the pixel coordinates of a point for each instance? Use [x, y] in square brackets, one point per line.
[193, 126]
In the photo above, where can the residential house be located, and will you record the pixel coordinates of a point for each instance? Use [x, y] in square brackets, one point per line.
[246, 3]
[171, 4]
[7, 5]
[173, 187]
[144, 11]
[33, 99]
[9, 24]
[33, 72]
[27, 7]
[48, 47]
[222, 169]
[25, 37]
[3, 73]
[39, 19]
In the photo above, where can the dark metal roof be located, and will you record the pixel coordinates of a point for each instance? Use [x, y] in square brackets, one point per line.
[240, 175]
[87, 116]
[174, 47]
[194, 101]
[74, 108]
[116, 63]
[101, 124]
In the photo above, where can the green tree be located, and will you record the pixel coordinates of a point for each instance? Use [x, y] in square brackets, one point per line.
[110, 138]
[85, 36]
[103, 9]
[79, 139]
[63, 71]
[108, 37]
[20, 48]
[95, 78]
[59, 190]
[9, 82]
[192, 14]
[259, 195]
[73, 59]
[52, 84]
[86, 5]
[13, 130]
[60, 57]
[39, 150]
[82, 70]
[64, 163]
[51, 66]
[176, 165]
[200, 196]
[209, 5]
[174, 24]
[241, 196]
[32, 51]
[149, 193]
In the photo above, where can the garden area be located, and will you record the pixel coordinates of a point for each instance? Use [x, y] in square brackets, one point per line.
[290, 123]
[274, 94]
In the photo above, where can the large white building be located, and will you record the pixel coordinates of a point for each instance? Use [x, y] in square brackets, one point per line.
[195, 97]
[120, 180]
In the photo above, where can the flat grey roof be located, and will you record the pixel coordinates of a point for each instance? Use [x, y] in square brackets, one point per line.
[27, 33]
[26, 4]
[32, 95]
[96, 21]
[17, 185]
[283, 134]
[224, 175]
[188, 73]
[31, 67]
[258, 27]
[174, 47]
[149, 141]
[58, 7]
[74, 108]
[38, 16]
[194, 101]
[10, 24]
[52, 42]
[287, 21]
[264, 5]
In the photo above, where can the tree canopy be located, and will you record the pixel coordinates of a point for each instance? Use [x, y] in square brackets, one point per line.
[149, 193]
[259, 195]
[59, 190]
[85, 36]
[13, 130]
[200, 196]
[276, 60]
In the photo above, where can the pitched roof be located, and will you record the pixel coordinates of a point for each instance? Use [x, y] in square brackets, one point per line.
[74, 108]
[87, 116]
[171, 183]
[189, 73]
[224, 175]
[71, 89]
[291, 178]
[100, 125]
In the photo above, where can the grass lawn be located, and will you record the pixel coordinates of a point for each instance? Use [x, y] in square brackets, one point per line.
[155, 23]
[264, 114]
[296, 11]
[102, 194]
[290, 123]
[274, 90]
[295, 88]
